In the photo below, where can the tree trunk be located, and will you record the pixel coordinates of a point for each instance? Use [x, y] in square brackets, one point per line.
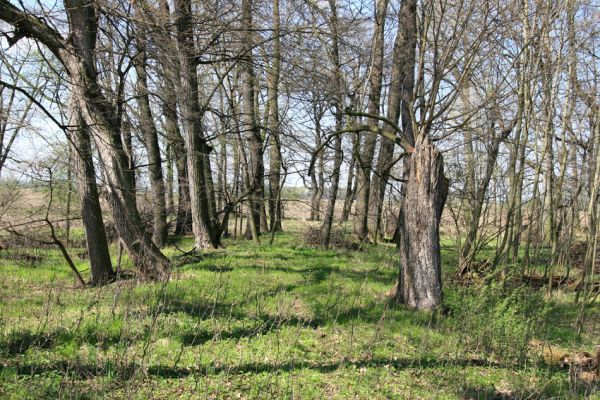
[317, 181]
[476, 206]
[170, 70]
[338, 155]
[197, 150]
[370, 139]
[274, 126]
[349, 197]
[248, 121]
[150, 135]
[400, 101]
[420, 281]
[102, 121]
[91, 213]
[128, 149]
[183, 220]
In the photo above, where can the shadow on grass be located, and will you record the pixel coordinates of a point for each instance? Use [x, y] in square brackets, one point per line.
[82, 370]
[314, 273]
[15, 344]
[126, 371]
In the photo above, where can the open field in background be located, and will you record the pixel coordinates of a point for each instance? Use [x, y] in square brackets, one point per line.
[280, 321]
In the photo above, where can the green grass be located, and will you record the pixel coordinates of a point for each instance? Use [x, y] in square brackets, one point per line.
[281, 321]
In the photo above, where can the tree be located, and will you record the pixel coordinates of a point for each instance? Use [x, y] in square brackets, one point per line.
[77, 55]
[365, 160]
[197, 149]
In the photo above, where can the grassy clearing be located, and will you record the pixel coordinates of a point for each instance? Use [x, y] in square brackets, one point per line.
[281, 321]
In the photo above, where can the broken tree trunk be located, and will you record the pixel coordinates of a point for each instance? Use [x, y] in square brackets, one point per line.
[419, 281]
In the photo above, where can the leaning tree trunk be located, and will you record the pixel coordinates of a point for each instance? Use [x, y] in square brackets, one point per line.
[91, 213]
[420, 281]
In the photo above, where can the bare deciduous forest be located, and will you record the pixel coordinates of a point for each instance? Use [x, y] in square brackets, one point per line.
[304, 199]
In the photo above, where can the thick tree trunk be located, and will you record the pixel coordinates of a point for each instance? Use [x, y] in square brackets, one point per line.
[170, 70]
[349, 197]
[99, 115]
[183, 220]
[335, 181]
[420, 281]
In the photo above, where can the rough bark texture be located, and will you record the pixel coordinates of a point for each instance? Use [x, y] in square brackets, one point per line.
[99, 115]
[349, 197]
[183, 220]
[420, 282]
[170, 69]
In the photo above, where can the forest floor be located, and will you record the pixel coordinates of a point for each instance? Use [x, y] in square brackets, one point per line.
[279, 321]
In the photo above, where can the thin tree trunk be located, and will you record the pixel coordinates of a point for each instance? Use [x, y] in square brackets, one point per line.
[150, 135]
[274, 125]
[338, 155]
[370, 139]
[400, 101]
[197, 150]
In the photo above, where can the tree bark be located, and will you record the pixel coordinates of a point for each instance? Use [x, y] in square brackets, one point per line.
[170, 70]
[420, 281]
[350, 192]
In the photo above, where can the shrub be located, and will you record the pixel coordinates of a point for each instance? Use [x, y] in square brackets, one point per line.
[337, 238]
[499, 321]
